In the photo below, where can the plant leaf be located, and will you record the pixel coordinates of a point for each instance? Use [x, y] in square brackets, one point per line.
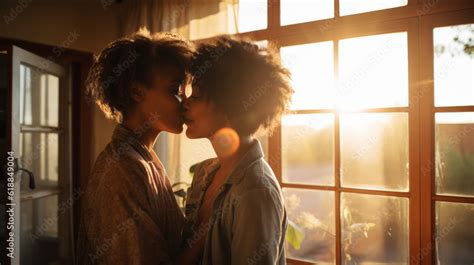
[294, 235]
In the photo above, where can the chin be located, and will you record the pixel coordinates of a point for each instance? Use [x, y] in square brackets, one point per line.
[189, 134]
[192, 135]
[177, 129]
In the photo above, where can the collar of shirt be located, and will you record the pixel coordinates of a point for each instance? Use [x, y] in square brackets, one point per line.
[254, 153]
[124, 134]
[203, 178]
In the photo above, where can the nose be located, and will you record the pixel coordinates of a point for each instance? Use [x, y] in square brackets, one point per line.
[184, 103]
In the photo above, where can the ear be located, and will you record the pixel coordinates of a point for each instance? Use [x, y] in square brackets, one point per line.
[228, 123]
[221, 117]
[138, 92]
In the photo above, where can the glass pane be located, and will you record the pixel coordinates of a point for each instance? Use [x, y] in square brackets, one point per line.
[308, 149]
[374, 151]
[455, 153]
[349, 7]
[300, 11]
[39, 94]
[454, 233]
[39, 153]
[51, 117]
[454, 65]
[373, 71]
[39, 231]
[311, 231]
[252, 15]
[312, 74]
[374, 229]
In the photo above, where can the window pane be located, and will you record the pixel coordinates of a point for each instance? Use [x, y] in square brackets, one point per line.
[39, 94]
[454, 65]
[312, 74]
[300, 11]
[373, 71]
[39, 153]
[311, 230]
[52, 103]
[374, 151]
[308, 149]
[455, 153]
[349, 7]
[39, 231]
[252, 15]
[374, 229]
[454, 233]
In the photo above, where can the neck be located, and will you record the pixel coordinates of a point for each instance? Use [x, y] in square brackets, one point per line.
[144, 132]
[228, 162]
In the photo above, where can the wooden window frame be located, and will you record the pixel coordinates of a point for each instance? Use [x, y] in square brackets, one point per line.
[427, 125]
[410, 27]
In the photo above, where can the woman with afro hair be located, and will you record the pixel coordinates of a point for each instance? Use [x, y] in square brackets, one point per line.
[235, 204]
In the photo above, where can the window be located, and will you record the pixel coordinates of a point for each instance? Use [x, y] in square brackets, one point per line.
[351, 110]
[454, 65]
[453, 240]
[384, 104]
[350, 7]
[312, 163]
[453, 111]
[299, 11]
[252, 15]
[40, 132]
[373, 71]
[311, 62]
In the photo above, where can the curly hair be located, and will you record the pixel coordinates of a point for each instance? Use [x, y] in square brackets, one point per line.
[132, 60]
[247, 83]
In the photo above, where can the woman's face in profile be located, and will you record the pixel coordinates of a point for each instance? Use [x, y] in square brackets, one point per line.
[200, 115]
[160, 105]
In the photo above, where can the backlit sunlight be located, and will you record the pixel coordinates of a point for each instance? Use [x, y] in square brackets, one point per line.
[373, 72]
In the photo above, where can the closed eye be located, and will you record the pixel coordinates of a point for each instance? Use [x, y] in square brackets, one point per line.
[174, 89]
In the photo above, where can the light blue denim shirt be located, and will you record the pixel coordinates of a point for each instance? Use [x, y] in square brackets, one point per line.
[249, 220]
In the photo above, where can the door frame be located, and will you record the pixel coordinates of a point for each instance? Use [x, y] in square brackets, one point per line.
[81, 134]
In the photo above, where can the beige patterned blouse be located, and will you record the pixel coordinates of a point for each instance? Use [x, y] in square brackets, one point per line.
[129, 213]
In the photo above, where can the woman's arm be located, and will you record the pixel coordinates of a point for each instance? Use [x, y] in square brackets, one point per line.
[194, 247]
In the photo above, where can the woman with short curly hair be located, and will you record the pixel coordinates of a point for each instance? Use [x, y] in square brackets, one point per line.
[129, 213]
[235, 202]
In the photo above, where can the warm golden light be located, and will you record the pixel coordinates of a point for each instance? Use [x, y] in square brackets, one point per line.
[226, 142]
[372, 72]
